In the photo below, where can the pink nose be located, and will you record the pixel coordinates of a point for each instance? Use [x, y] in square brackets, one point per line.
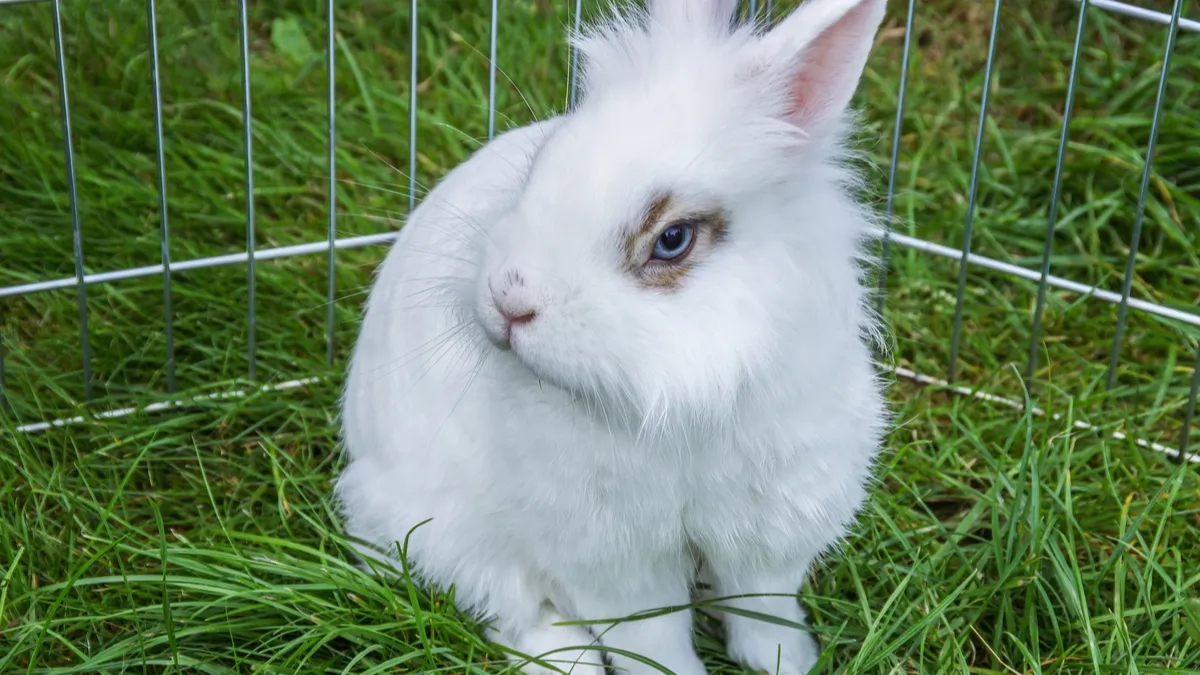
[522, 316]
[513, 313]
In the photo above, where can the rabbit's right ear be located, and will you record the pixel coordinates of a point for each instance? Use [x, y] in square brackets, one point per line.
[704, 13]
[818, 54]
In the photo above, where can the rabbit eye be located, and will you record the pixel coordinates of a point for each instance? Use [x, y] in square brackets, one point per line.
[674, 242]
[678, 242]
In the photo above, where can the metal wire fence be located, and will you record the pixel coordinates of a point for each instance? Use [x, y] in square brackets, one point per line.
[1172, 25]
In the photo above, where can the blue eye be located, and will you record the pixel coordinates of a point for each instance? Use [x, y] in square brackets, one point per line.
[675, 241]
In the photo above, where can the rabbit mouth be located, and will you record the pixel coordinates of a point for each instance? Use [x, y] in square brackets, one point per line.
[521, 343]
[501, 338]
[514, 341]
[500, 328]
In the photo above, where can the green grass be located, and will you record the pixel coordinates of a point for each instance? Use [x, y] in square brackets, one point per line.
[202, 539]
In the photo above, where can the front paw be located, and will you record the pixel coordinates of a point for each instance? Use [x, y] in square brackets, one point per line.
[780, 651]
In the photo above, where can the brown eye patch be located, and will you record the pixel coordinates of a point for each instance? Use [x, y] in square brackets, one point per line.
[707, 229]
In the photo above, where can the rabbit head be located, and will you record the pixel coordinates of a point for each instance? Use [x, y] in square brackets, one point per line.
[689, 226]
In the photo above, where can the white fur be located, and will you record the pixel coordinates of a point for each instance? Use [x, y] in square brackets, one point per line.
[578, 474]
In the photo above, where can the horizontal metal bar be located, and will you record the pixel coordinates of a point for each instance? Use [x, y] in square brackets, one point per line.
[200, 263]
[1143, 13]
[21, 2]
[1035, 276]
[387, 237]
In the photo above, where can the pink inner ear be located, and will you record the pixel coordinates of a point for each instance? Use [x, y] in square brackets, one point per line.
[830, 68]
[809, 97]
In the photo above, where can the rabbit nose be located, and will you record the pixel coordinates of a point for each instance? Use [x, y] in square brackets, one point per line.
[514, 314]
[511, 297]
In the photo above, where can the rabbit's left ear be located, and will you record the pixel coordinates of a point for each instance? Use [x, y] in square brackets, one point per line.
[708, 13]
[818, 53]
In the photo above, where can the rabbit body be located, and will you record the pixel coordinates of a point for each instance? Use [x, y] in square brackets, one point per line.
[574, 423]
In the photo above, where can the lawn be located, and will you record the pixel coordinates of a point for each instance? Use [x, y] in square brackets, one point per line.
[201, 538]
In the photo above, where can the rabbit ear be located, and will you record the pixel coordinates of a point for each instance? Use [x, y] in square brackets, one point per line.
[819, 53]
[709, 13]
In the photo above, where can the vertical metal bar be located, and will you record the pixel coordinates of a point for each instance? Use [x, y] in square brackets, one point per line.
[249, 142]
[491, 122]
[885, 247]
[1191, 409]
[574, 88]
[1052, 219]
[76, 234]
[1147, 174]
[3, 380]
[770, 10]
[966, 245]
[330, 39]
[753, 10]
[165, 232]
[412, 115]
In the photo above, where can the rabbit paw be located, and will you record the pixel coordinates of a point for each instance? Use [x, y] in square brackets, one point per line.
[786, 652]
[557, 646]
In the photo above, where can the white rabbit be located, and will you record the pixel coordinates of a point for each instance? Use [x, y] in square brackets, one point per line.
[630, 339]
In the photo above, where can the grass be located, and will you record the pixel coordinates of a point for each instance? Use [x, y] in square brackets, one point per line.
[202, 540]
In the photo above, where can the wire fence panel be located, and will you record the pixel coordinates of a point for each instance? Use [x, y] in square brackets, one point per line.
[168, 314]
[72, 196]
[573, 86]
[248, 139]
[412, 110]
[1060, 162]
[989, 148]
[897, 130]
[960, 296]
[330, 297]
[1136, 237]
[493, 36]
